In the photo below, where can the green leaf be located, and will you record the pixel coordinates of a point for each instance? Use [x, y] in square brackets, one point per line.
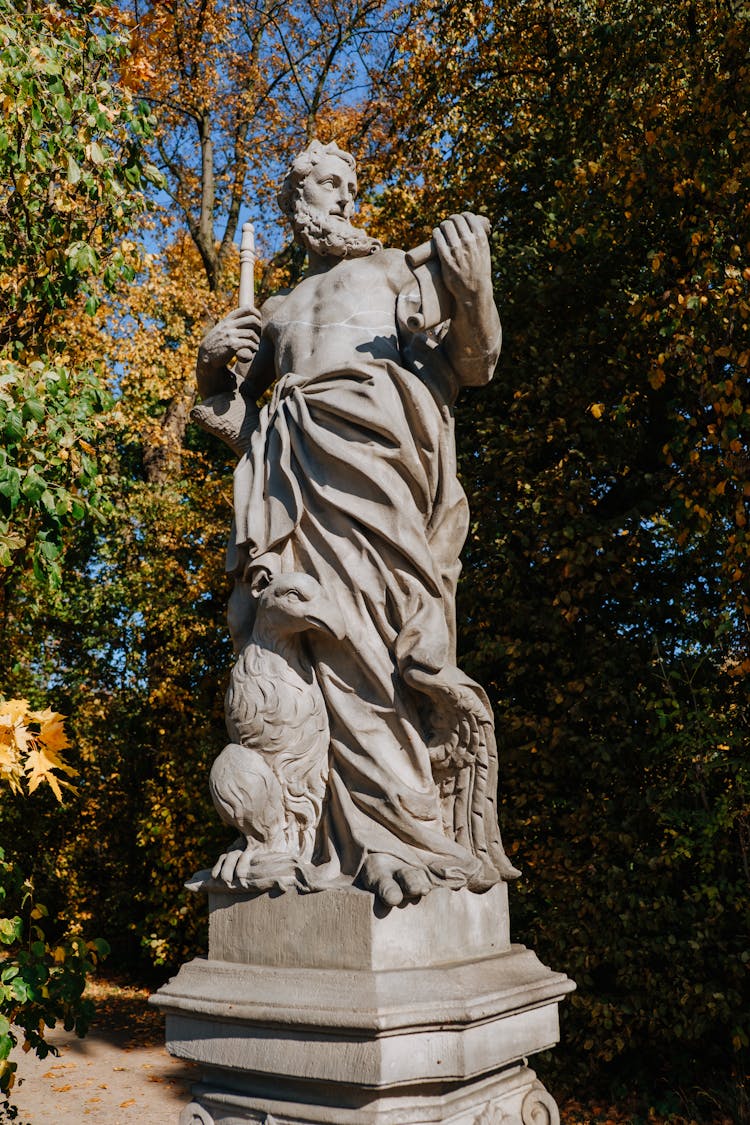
[34, 409]
[74, 172]
[10, 485]
[49, 549]
[11, 930]
[14, 429]
[62, 105]
[32, 486]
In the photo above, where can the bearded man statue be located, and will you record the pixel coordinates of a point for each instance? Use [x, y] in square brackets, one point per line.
[349, 477]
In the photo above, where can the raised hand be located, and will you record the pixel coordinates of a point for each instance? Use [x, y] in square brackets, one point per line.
[464, 252]
[473, 340]
[238, 334]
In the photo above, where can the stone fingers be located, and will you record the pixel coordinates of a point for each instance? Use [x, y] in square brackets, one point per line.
[237, 331]
[463, 248]
[244, 327]
[245, 316]
[478, 224]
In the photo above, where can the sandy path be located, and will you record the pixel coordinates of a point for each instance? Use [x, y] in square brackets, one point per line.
[120, 1073]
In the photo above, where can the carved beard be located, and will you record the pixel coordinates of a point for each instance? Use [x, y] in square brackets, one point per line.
[315, 231]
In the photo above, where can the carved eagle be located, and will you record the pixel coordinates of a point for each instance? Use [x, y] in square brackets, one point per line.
[269, 782]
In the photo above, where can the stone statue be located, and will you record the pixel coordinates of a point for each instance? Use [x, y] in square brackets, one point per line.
[361, 761]
[349, 520]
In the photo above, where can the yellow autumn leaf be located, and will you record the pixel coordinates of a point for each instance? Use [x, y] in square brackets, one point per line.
[14, 729]
[40, 764]
[14, 709]
[6, 730]
[31, 743]
[597, 409]
[51, 731]
[11, 769]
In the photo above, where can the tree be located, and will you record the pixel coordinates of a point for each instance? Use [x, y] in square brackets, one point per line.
[69, 182]
[69, 161]
[141, 638]
[236, 86]
[607, 473]
[70, 174]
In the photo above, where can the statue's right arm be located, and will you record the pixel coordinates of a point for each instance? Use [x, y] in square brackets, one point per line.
[240, 332]
[262, 371]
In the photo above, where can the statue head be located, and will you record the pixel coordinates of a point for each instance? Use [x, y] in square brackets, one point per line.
[317, 196]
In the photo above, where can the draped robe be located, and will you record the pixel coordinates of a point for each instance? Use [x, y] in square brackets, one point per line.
[351, 477]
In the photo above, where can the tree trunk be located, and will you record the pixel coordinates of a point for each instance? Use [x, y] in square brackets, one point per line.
[162, 456]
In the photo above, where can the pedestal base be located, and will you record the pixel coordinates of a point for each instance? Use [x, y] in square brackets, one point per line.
[313, 1010]
[515, 1097]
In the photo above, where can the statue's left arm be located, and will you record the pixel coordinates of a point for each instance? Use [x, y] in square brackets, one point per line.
[472, 342]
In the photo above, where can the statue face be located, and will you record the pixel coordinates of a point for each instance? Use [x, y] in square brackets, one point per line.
[330, 189]
[323, 208]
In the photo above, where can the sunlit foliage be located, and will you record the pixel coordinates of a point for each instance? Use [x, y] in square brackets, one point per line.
[604, 599]
[70, 180]
[605, 595]
[40, 983]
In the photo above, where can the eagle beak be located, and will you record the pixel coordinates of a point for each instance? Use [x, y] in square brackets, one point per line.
[331, 621]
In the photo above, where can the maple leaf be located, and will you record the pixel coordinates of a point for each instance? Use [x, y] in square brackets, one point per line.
[51, 731]
[11, 770]
[14, 709]
[13, 730]
[29, 754]
[40, 765]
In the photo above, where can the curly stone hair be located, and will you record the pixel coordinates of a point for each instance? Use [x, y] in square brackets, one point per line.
[301, 167]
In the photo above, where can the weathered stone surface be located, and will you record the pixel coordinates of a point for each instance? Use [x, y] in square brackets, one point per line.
[341, 930]
[378, 1030]
[346, 497]
[515, 1097]
[395, 1012]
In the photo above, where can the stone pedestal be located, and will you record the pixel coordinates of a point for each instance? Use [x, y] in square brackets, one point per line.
[323, 1009]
